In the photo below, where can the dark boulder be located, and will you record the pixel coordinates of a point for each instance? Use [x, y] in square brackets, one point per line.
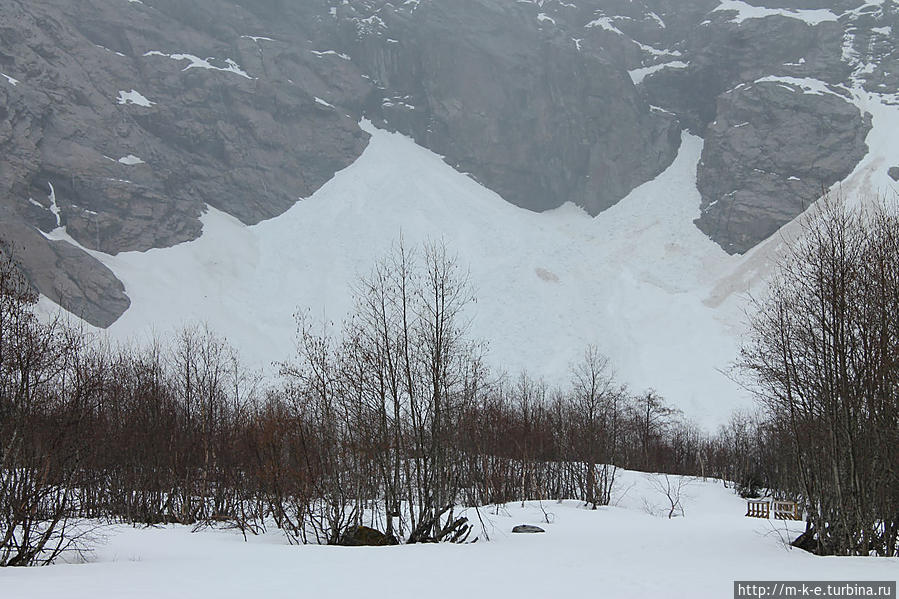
[527, 529]
[365, 536]
[807, 541]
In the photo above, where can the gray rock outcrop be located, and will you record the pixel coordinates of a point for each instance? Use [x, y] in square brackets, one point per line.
[511, 99]
[65, 274]
[139, 121]
[770, 95]
[772, 151]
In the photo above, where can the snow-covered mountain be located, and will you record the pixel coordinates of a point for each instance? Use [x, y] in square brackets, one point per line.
[613, 172]
[635, 281]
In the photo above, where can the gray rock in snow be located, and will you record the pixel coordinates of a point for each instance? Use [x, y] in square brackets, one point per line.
[527, 528]
[66, 274]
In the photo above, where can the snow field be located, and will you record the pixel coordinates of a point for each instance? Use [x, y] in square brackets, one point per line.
[616, 551]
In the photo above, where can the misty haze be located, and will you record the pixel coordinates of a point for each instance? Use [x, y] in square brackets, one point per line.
[486, 298]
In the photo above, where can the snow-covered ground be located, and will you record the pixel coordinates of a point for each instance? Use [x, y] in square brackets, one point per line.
[632, 281]
[617, 551]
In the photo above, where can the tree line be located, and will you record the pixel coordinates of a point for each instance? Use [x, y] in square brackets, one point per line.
[391, 420]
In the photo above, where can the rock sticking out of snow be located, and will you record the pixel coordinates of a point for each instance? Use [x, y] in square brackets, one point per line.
[527, 529]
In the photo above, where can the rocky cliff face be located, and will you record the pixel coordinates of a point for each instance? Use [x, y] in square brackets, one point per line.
[510, 97]
[771, 91]
[121, 121]
[770, 153]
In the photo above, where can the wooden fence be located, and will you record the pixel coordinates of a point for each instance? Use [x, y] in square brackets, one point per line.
[758, 508]
[783, 510]
[786, 510]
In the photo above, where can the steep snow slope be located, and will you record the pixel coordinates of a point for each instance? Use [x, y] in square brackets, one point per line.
[632, 281]
[619, 551]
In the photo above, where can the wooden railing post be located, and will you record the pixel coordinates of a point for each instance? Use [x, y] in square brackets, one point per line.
[786, 510]
[783, 510]
[758, 508]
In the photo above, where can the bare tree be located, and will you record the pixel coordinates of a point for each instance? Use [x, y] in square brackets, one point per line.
[42, 393]
[824, 353]
[596, 399]
[672, 487]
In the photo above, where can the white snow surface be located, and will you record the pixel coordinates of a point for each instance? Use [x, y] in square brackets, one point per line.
[604, 23]
[321, 53]
[195, 62]
[628, 549]
[54, 207]
[747, 11]
[130, 160]
[134, 97]
[638, 75]
[632, 281]
[806, 85]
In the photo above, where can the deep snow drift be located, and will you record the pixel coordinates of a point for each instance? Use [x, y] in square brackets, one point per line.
[632, 281]
[617, 551]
